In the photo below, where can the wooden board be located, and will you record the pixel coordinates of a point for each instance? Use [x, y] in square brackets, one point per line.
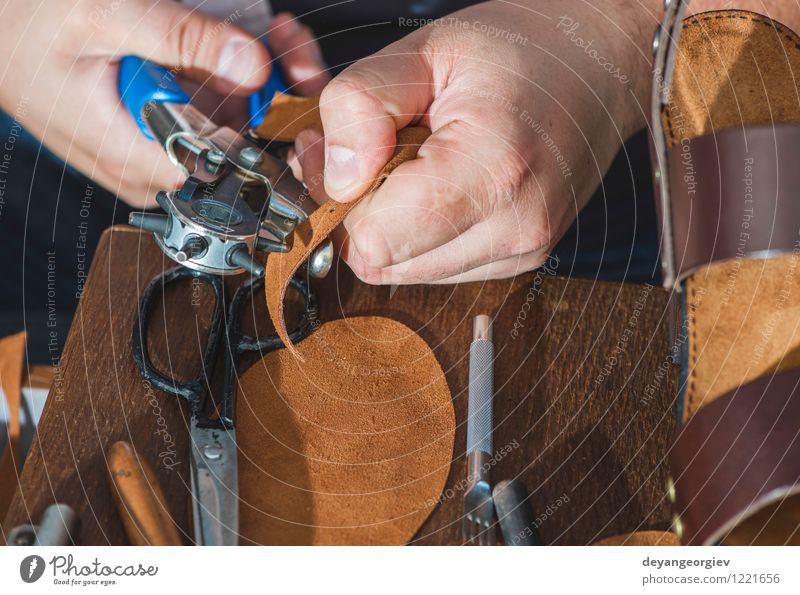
[583, 414]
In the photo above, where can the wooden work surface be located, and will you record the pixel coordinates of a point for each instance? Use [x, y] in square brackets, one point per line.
[584, 402]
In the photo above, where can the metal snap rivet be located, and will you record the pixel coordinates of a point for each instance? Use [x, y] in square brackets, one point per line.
[251, 155]
[212, 451]
[656, 40]
[671, 490]
[214, 156]
[677, 526]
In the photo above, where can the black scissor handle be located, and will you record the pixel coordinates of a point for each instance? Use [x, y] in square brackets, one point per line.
[238, 343]
[193, 391]
[266, 343]
[228, 330]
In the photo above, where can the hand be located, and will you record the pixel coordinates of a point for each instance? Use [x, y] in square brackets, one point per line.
[528, 106]
[60, 78]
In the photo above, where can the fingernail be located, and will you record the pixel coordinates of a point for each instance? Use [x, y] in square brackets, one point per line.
[341, 167]
[235, 62]
[298, 147]
[303, 73]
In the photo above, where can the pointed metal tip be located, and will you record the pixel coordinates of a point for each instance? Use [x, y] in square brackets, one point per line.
[482, 328]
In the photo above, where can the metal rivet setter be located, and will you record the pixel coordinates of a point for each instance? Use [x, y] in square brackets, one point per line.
[478, 521]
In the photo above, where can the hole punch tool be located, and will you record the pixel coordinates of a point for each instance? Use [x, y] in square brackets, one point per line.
[214, 475]
[238, 198]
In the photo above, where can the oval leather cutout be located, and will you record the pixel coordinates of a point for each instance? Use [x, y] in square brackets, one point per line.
[349, 445]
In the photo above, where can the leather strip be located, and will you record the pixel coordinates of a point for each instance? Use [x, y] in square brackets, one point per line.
[285, 119]
[288, 116]
[735, 195]
[39, 376]
[737, 455]
[12, 357]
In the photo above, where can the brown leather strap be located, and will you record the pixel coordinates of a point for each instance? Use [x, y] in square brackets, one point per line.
[12, 357]
[284, 120]
[39, 376]
[288, 116]
[736, 456]
[735, 195]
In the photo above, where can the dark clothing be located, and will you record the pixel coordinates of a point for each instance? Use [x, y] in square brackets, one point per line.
[614, 238]
[51, 216]
[50, 223]
[348, 31]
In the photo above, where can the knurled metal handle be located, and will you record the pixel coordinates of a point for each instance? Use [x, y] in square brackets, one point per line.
[481, 387]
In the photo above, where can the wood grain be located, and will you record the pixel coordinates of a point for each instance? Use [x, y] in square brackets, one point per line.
[583, 413]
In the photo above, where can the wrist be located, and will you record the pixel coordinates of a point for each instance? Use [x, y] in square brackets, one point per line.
[642, 25]
[618, 35]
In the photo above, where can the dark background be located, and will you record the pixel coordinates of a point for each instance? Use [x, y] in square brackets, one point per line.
[50, 209]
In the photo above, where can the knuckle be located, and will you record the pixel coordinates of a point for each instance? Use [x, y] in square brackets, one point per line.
[352, 90]
[82, 13]
[370, 241]
[299, 39]
[305, 33]
[530, 242]
[538, 261]
[533, 238]
[193, 38]
[454, 207]
[364, 272]
[508, 178]
[341, 89]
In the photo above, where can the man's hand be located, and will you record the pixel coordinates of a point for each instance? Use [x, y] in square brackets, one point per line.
[528, 106]
[60, 77]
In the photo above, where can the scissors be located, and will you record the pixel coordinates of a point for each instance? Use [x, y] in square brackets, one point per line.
[214, 475]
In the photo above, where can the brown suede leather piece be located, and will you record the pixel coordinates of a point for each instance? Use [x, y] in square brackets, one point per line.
[737, 68]
[744, 323]
[12, 358]
[352, 447]
[734, 68]
[288, 115]
[641, 538]
[300, 114]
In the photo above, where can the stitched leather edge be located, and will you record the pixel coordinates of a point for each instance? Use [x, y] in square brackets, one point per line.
[737, 455]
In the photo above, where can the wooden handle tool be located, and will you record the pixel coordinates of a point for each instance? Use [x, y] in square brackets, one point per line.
[139, 498]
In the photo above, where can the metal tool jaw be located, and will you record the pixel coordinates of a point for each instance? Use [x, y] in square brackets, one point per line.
[238, 198]
[215, 481]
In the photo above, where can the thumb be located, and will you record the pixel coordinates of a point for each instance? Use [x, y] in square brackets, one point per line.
[362, 109]
[208, 50]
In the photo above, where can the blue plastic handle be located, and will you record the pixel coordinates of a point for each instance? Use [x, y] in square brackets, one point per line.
[260, 100]
[141, 81]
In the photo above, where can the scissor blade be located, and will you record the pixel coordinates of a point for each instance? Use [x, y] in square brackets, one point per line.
[215, 487]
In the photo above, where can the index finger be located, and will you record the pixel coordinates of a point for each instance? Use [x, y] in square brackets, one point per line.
[361, 111]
